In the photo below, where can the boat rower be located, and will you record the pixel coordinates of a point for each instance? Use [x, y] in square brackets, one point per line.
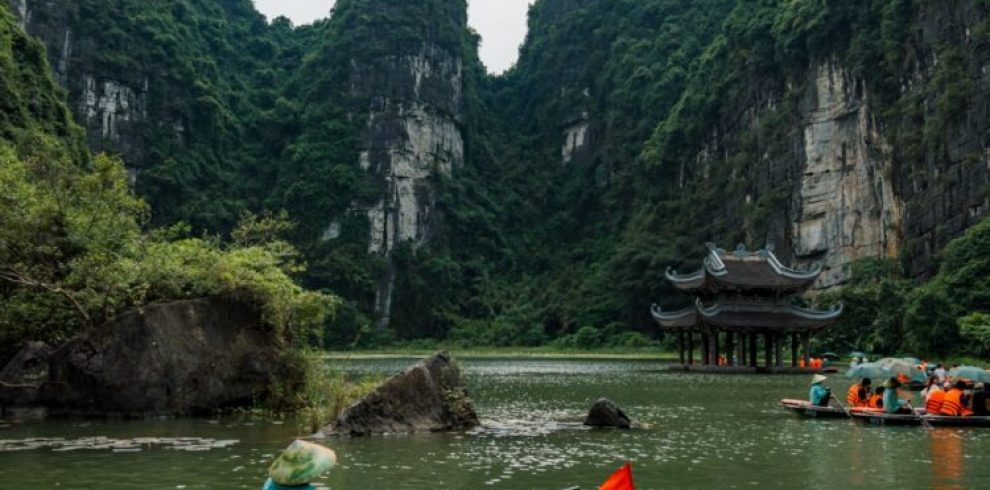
[891, 402]
[819, 395]
[299, 465]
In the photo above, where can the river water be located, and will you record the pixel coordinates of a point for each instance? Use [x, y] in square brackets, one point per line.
[698, 431]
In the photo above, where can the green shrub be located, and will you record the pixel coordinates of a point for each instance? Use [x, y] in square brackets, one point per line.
[630, 339]
[975, 330]
[588, 338]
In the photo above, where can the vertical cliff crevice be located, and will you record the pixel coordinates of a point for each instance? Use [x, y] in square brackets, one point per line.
[845, 209]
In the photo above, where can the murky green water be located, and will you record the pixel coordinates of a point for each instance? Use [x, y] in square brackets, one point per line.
[703, 431]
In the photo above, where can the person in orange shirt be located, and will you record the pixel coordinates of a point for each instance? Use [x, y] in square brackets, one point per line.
[859, 394]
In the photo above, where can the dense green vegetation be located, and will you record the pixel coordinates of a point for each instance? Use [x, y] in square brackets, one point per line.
[946, 315]
[532, 250]
[75, 246]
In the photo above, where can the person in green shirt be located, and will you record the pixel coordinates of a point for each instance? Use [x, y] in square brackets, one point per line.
[891, 402]
[819, 394]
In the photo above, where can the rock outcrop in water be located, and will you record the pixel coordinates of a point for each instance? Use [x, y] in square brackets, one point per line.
[605, 413]
[429, 397]
[183, 357]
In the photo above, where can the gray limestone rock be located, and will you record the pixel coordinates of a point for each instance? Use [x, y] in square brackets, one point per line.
[184, 357]
[429, 397]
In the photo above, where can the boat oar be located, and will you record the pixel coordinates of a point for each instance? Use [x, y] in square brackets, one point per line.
[925, 423]
[843, 407]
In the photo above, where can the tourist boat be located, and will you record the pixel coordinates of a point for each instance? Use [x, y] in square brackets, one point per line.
[804, 408]
[878, 417]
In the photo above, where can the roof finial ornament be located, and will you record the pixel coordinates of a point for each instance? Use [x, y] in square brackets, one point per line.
[770, 248]
[741, 250]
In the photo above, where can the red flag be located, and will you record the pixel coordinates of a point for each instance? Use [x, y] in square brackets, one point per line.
[620, 480]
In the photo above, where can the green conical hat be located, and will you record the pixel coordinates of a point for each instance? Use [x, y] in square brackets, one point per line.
[301, 463]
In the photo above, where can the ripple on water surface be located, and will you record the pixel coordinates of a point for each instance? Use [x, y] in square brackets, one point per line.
[696, 431]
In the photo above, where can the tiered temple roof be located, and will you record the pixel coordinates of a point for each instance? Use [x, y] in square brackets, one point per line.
[743, 271]
[744, 291]
[746, 317]
[740, 296]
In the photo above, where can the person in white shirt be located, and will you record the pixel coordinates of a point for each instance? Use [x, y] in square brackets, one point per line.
[940, 372]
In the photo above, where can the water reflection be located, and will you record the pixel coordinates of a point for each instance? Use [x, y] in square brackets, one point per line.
[947, 459]
[700, 431]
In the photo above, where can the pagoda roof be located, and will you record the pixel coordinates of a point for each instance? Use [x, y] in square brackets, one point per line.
[746, 316]
[743, 270]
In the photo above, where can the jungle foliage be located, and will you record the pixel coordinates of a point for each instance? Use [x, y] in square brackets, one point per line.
[946, 315]
[532, 250]
[76, 248]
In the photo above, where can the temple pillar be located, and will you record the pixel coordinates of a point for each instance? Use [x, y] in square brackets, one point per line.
[752, 349]
[680, 347]
[806, 347]
[730, 347]
[705, 349]
[794, 349]
[768, 347]
[778, 344]
[690, 349]
[715, 351]
[741, 347]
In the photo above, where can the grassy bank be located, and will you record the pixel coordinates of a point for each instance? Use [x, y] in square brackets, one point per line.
[510, 352]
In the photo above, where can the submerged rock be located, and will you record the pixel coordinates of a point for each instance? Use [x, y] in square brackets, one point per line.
[429, 397]
[183, 357]
[605, 413]
[102, 443]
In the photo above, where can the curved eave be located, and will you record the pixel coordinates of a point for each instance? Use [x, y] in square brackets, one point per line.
[685, 318]
[688, 282]
[767, 316]
[809, 275]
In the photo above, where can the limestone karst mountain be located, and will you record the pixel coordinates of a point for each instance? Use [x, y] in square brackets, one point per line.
[436, 198]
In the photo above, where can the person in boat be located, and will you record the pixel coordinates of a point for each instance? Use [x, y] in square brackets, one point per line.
[297, 466]
[819, 395]
[940, 373]
[978, 400]
[859, 394]
[876, 399]
[955, 402]
[891, 402]
[933, 396]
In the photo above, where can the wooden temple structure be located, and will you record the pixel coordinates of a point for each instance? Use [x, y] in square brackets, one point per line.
[741, 296]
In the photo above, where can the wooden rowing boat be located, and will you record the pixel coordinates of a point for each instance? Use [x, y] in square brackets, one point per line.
[804, 408]
[878, 417]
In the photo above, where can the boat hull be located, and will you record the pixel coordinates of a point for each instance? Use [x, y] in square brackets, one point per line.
[805, 409]
[881, 418]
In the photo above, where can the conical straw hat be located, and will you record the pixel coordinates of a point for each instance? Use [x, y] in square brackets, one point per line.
[817, 379]
[301, 463]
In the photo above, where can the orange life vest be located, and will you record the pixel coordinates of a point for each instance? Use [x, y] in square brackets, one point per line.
[952, 404]
[934, 403]
[876, 401]
[853, 399]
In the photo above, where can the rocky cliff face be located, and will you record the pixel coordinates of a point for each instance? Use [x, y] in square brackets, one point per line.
[110, 106]
[412, 137]
[845, 208]
[845, 190]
